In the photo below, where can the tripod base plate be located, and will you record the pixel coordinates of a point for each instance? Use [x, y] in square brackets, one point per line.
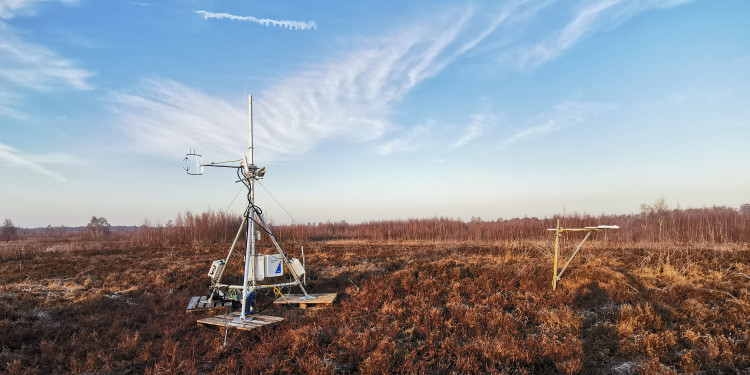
[228, 320]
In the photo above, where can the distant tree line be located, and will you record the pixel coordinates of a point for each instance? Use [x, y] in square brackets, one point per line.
[656, 222]
[98, 227]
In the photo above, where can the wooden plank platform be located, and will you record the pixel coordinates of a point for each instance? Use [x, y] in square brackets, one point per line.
[325, 299]
[198, 303]
[227, 320]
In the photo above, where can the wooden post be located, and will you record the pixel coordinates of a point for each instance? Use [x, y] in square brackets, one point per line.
[554, 265]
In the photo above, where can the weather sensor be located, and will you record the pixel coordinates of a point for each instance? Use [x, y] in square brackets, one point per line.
[257, 268]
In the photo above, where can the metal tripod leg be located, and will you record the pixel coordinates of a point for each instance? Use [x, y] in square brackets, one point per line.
[283, 255]
[226, 261]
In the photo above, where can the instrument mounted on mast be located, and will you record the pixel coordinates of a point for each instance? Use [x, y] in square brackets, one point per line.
[257, 267]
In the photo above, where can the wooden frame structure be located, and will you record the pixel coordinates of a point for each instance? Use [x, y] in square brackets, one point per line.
[322, 299]
[558, 232]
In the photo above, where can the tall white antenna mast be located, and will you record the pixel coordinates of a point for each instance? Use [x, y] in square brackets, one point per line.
[250, 249]
[250, 141]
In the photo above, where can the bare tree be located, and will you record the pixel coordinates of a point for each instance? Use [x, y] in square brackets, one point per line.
[9, 230]
[658, 210]
[745, 209]
[98, 226]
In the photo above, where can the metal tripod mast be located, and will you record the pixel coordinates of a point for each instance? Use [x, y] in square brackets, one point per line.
[253, 217]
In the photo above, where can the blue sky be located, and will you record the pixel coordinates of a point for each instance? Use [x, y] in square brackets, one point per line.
[372, 110]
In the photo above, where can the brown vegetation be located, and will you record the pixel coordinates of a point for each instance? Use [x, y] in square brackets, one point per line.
[655, 223]
[420, 296]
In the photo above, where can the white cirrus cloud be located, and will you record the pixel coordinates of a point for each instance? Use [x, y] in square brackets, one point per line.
[411, 141]
[8, 102]
[28, 66]
[32, 66]
[286, 24]
[348, 98]
[564, 114]
[479, 123]
[168, 118]
[590, 17]
[12, 8]
[35, 163]
[352, 95]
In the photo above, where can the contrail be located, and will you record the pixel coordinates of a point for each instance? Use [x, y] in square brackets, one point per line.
[292, 25]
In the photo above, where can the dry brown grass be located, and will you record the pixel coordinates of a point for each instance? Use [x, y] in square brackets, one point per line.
[421, 307]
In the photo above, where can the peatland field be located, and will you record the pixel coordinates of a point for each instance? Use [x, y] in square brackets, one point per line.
[667, 293]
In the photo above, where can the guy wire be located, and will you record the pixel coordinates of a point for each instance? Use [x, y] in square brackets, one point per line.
[279, 203]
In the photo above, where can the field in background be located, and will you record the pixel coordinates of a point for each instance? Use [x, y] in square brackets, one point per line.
[667, 293]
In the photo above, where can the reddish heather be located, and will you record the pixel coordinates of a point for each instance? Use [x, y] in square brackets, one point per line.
[637, 303]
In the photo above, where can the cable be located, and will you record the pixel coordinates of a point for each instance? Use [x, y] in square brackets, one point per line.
[250, 205]
[279, 203]
[260, 224]
[276, 293]
[233, 199]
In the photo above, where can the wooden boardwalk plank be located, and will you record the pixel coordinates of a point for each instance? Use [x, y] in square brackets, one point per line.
[227, 320]
[325, 299]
